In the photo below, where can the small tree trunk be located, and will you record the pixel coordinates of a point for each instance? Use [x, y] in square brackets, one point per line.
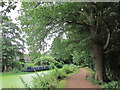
[98, 58]
[3, 68]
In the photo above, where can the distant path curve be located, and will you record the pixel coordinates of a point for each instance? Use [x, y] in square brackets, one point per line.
[79, 80]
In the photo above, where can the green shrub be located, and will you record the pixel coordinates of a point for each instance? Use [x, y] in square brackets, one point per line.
[15, 70]
[83, 65]
[69, 68]
[113, 84]
[51, 79]
[89, 69]
[16, 64]
[73, 67]
[26, 65]
[44, 60]
[45, 81]
[59, 73]
[59, 65]
[29, 65]
[91, 79]
[52, 65]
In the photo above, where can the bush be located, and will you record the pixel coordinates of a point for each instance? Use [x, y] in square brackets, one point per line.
[91, 79]
[73, 67]
[44, 60]
[52, 66]
[26, 65]
[29, 65]
[61, 74]
[16, 64]
[59, 65]
[58, 73]
[15, 70]
[69, 68]
[51, 79]
[83, 65]
[44, 81]
[113, 84]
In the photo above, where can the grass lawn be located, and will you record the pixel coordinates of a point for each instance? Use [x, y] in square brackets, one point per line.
[13, 80]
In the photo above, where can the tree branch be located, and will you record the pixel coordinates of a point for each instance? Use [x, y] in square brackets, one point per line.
[108, 31]
[71, 22]
[108, 28]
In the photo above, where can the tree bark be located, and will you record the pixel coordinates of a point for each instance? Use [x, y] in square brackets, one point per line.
[95, 31]
[3, 68]
[98, 59]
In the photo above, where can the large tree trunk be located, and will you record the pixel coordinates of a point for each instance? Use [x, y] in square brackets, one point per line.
[95, 29]
[98, 59]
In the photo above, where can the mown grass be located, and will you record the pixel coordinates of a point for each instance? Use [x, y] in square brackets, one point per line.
[13, 80]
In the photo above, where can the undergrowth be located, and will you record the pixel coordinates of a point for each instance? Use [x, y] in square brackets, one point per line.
[54, 79]
[114, 85]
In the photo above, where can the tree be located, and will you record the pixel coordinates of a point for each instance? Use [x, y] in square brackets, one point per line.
[98, 20]
[12, 43]
[34, 55]
[73, 49]
[59, 50]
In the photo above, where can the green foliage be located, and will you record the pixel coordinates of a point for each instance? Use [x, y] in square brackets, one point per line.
[59, 65]
[26, 65]
[67, 50]
[89, 69]
[62, 74]
[16, 64]
[80, 22]
[91, 79]
[34, 55]
[44, 60]
[92, 76]
[12, 43]
[59, 50]
[45, 81]
[82, 57]
[111, 85]
[52, 65]
[59, 73]
[16, 70]
[51, 79]
[29, 64]
[69, 68]
[25, 84]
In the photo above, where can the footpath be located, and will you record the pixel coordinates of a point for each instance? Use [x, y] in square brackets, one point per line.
[79, 81]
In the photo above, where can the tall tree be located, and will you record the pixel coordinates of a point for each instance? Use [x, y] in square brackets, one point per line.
[12, 43]
[39, 20]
